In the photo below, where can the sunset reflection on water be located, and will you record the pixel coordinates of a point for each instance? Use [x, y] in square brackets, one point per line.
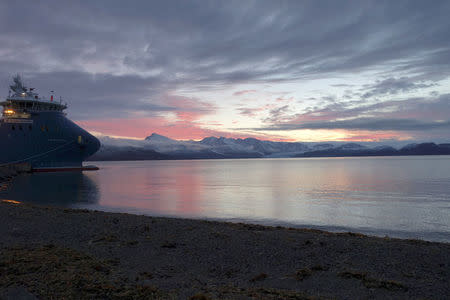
[407, 196]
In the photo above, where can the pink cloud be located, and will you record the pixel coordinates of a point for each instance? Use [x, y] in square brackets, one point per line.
[240, 93]
[180, 130]
[189, 109]
[187, 125]
[282, 99]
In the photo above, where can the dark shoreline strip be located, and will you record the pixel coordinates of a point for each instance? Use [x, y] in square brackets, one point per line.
[64, 253]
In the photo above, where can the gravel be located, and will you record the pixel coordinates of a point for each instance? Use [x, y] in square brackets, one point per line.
[50, 252]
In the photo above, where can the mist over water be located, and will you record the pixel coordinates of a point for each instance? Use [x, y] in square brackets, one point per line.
[406, 197]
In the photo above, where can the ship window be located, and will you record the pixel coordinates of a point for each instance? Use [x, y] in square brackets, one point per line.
[30, 127]
[42, 128]
[13, 127]
[20, 127]
[46, 128]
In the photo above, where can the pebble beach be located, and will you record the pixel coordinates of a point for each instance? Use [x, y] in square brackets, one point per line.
[55, 253]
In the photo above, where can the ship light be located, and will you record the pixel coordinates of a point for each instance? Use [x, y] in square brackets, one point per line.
[10, 201]
[8, 111]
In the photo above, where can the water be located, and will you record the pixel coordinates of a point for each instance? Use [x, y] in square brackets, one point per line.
[406, 197]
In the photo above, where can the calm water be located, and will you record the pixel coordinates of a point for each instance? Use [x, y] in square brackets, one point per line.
[395, 196]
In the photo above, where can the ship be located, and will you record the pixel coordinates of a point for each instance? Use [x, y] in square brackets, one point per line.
[36, 131]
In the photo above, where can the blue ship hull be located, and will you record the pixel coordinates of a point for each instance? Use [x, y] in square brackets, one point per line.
[46, 140]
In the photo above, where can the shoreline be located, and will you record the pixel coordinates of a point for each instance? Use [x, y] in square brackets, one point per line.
[437, 237]
[124, 255]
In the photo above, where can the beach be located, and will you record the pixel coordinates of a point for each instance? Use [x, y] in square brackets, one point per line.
[49, 252]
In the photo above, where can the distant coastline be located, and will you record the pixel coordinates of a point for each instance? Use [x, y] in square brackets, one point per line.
[157, 147]
[416, 149]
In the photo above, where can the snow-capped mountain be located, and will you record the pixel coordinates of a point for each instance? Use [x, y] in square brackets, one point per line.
[157, 138]
[351, 146]
[157, 146]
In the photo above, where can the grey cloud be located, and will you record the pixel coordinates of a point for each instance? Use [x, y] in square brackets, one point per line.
[372, 124]
[232, 41]
[393, 86]
[403, 115]
[435, 107]
[175, 45]
[97, 96]
[247, 111]
[342, 85]
[276, 114]
[243, 92]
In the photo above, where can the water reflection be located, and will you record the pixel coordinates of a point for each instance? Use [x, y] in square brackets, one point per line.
[154, 188]
[62, 189]
[372, 195]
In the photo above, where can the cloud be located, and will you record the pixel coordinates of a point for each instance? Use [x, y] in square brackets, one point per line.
[415, 114]
[393, 86]
[277, 114]
[367, 124]
[221, 43]
[111, 60]
[244, 92]
[102, 95]
[254, 111]
[248, 111]
[188, 108]
[142, 127]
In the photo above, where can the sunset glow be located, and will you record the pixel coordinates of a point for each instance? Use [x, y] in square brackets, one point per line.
[273, 72]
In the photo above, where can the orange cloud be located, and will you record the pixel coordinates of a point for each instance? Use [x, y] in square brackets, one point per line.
[373, 136]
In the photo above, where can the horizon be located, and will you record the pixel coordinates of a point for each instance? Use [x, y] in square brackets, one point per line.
[373, 73]
[392, 143]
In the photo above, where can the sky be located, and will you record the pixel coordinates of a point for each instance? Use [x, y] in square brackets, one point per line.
[275, 70]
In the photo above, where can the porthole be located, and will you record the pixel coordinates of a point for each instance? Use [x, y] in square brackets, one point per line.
[13, 127]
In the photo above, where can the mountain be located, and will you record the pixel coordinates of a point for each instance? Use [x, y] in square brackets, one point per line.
[425, 149]
[411, 149]
[252, 145]
[352, 147]
[157, 138]
[127, 153]
[157, 146]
